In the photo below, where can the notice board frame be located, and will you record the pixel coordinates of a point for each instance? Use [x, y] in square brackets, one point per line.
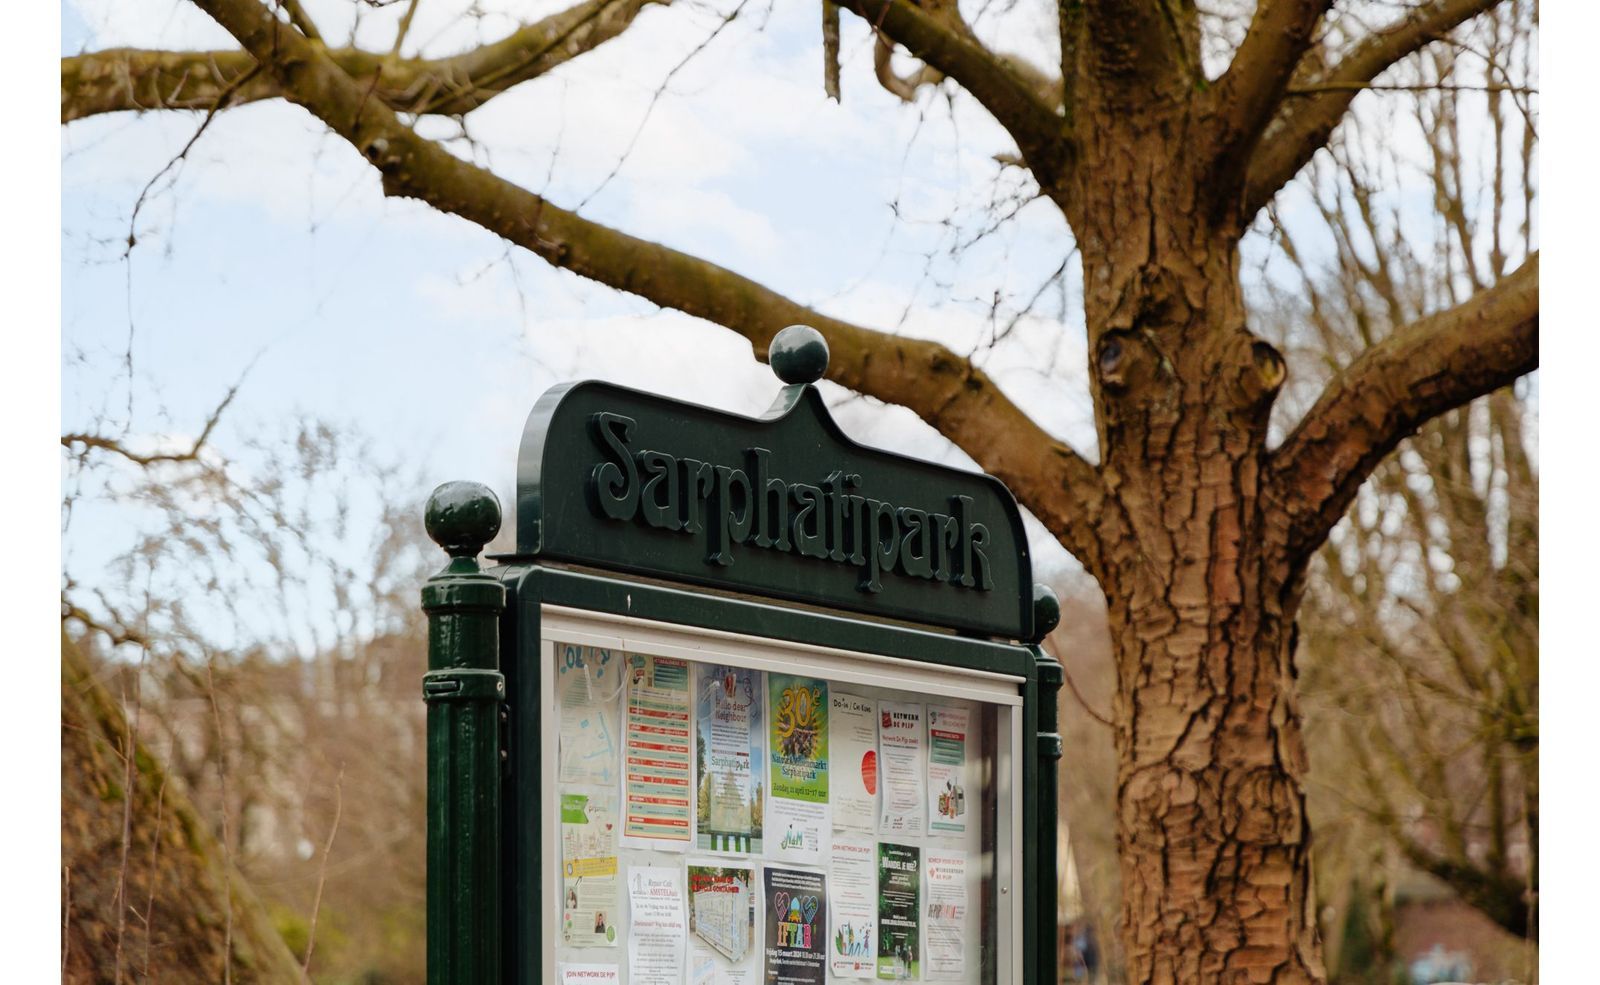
[634, 506]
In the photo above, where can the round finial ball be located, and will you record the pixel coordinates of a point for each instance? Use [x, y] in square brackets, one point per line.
[1046, 610]
[462, 517]
[798, 354]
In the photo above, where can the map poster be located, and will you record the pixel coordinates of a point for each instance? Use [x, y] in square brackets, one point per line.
[657, 774]
[588, 680]
[853, 735]
[947, 758]
[658, 935]
[589, 870]
[947, 913]
[722, 920]
[797, 822]
[729, 755]
[852, 910]
[796, 917]
[899, 912]
[903, 758]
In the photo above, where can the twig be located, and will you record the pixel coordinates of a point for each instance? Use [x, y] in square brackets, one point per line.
[322, 872]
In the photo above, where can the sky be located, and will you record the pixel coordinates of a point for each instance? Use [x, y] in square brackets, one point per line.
[269, 256]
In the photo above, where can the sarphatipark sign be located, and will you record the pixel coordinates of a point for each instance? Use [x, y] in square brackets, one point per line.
[751, 703]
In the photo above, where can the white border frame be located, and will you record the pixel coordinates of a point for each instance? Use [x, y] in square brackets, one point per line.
[558, 623]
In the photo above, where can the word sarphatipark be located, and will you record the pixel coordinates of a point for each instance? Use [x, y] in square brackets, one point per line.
[749, 704]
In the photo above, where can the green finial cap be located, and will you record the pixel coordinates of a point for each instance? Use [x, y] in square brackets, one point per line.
[1046, 610]
[798, 354]
[462, 517]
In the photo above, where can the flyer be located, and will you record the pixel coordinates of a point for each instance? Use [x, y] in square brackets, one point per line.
[729, 753]
[899, 915]
[795, 904]
[658, 767]
[588, 680]
[947, 912]
[852, 723]
[796, 823]
[589, 870]
[852, 910]
[590, 974]
[722, 920]
[902, 756]
[658, 934]
[947, 758]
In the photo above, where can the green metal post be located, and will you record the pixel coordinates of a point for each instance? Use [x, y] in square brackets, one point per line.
[1046, 614]
[465, 692]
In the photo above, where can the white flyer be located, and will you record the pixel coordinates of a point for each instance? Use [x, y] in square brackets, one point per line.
[947, 761]
[590, 974]
[660, 932]
[588, 682]
[902, 753]
[852, 908]
[854, 738]
[944, 930]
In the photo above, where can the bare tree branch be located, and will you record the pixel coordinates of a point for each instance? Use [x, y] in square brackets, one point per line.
[955, 397]
[1250, 91]
[1010, 94]
[135, 79]
[1304, 124]
[1420, 371]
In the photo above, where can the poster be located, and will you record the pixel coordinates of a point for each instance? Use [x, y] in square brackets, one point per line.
[946, 912]
[902, 756]
[658, 935]
[722, 921]
[588, 681]
[795, 904]
[947, 758]
[658, 767]
[853, 728]
[797, 818]
[589, 870]
[853, 923]
[590, 974]
[729, 781]
[899, 913]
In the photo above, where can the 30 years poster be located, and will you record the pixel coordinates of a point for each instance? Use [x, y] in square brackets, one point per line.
[798, 822]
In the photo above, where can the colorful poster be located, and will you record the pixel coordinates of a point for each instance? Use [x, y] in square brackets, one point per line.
[899, 913]
[947, 910]
[853, 736]
[658, 934]
[722, 921]
[853, 927]
[902, 756]
[590, 974]
[588, 680]
[796, 908]
[947, 759]
[796, 825]
[658, 766]
[729, 753]
[589, 870]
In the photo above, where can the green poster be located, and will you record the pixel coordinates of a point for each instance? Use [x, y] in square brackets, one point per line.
[798, 737]
[899, 912]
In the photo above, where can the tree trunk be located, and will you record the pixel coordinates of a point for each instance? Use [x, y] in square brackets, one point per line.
[1212, 828]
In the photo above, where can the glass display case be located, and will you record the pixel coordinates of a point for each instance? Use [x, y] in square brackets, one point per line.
[738, 809]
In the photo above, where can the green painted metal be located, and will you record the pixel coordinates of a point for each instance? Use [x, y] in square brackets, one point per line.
[598, 530]
[784, 506]
[1046, 615]
[465, 693]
